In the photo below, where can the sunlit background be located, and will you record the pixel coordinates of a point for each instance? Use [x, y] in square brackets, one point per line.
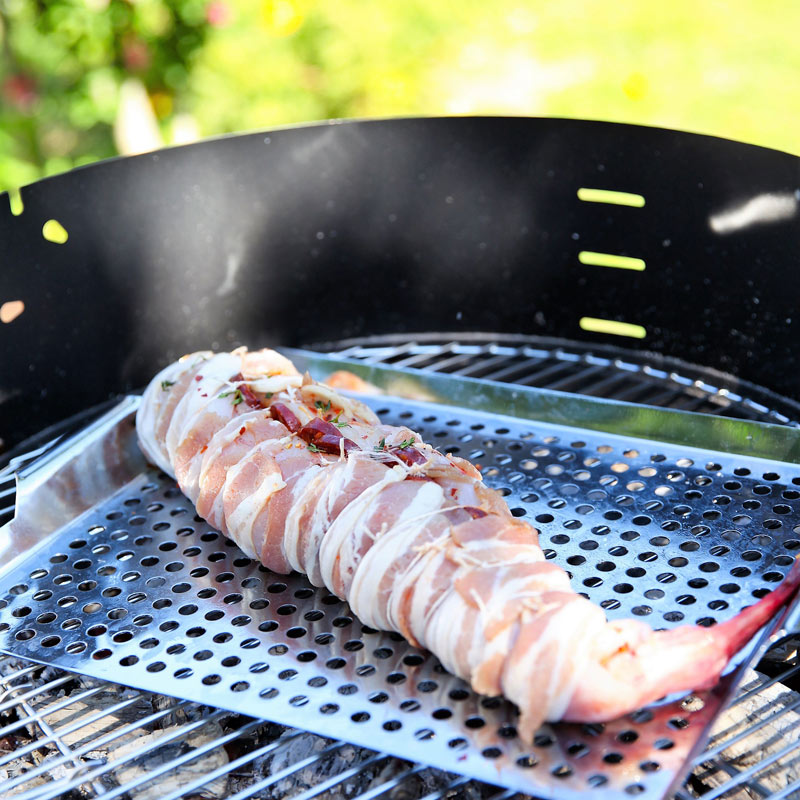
[88, 79]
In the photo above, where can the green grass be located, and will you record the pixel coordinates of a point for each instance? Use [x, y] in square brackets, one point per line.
[729, 69]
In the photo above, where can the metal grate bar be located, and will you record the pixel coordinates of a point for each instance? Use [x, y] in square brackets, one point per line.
[482, 368]
[15, 463]
[606, 386]
[198, 752]
[280, 775]
[54, 684]
[426, 354]
[578, 380]
[545, 378]
[389, 356]
[719, 748]
[335, 780]
[623, 390]
[78, 767]
[746, 775]
[742, 412]
[518, 369]
[452, 363]
[790, 790]
[782, 678]
[19, 674]
[108, 738]
[456, 784]
[377, 791]
[68, 701]
[689, 403]
[635, 391]
[66, 785]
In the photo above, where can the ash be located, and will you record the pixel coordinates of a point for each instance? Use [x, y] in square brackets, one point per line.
[71, 737]
[335, 759]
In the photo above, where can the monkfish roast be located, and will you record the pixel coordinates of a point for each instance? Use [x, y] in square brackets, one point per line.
[304, 478]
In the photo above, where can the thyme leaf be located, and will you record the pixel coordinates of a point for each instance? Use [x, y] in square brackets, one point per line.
[238, 397]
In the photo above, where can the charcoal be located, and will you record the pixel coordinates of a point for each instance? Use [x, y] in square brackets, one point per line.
[176, 777]
[294, 751]
[784, 651]
[777, 709]
[61, 719]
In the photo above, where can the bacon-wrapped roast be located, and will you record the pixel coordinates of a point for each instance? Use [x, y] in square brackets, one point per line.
[303, 478]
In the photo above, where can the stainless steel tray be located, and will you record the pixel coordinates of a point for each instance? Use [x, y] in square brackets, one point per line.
[128, 585]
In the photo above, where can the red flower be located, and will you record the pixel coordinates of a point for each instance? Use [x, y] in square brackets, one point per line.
[20, 92]
[218, 13]
[135, 54]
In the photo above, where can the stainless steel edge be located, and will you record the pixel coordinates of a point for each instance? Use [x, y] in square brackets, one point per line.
[784, 624]
[79, 472]
[703, 431]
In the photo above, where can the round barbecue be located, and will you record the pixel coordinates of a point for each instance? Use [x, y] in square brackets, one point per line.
[601, 260]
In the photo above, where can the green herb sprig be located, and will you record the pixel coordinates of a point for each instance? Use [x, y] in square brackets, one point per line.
[238, 397]
[338, 424]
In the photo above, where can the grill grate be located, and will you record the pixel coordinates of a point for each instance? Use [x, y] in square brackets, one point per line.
[100, 739]
[571, 367]
[366, 770]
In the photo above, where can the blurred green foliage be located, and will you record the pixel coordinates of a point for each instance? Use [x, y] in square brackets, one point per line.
[63, 63]
[216, 66]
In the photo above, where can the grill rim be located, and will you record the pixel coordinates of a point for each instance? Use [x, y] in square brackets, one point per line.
[643, 359]
[685, 373]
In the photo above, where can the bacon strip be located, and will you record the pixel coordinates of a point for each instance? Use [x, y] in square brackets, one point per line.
[414, 541]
